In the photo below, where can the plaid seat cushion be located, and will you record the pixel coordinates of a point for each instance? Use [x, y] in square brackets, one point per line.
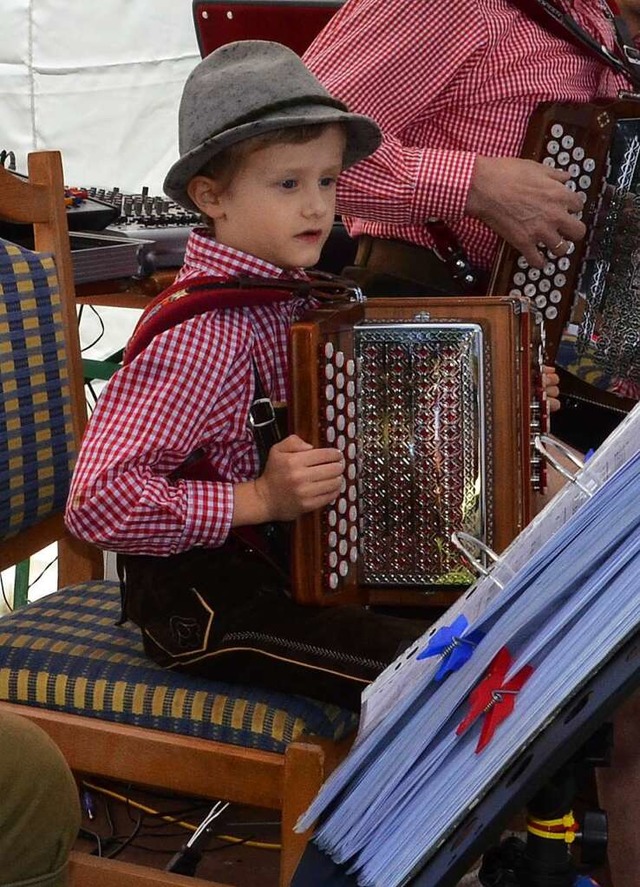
[65, 653]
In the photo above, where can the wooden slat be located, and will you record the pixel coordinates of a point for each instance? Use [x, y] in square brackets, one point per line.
[184, 764]
[21, 202]
[92, 871]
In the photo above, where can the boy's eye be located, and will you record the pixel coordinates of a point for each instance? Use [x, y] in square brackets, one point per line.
[289, 183]
[327, 181]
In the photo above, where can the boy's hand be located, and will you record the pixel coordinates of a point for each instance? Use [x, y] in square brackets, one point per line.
[550, 383]
[299, 478]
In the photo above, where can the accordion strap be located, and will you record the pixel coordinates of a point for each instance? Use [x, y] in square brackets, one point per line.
[188, 299]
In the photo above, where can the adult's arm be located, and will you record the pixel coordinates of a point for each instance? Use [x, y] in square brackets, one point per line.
[394, 61]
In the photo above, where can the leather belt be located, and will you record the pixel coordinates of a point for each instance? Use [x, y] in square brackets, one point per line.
[408, 261]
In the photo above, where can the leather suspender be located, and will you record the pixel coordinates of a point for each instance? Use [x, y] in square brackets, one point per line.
[562, 25]
[263, 419]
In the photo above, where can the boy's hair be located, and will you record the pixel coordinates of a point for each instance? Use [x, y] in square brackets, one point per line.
[222, 166]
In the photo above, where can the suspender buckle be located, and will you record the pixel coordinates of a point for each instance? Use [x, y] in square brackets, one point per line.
[261, 413]
[632, 54]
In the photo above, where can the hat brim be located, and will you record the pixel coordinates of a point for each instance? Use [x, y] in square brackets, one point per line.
[363, 138]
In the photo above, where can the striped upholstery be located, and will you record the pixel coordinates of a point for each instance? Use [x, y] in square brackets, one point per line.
[36, 445]
[65, 653]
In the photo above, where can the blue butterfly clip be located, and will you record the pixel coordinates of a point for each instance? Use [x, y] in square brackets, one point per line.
[454, 645]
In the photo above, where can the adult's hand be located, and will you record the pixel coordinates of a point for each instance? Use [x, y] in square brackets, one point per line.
[527, 204]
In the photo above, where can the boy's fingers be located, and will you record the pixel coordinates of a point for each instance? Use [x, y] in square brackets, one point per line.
[324, 456]
[293, 444]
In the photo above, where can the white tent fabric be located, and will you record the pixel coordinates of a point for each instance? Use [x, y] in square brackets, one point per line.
[101, 82]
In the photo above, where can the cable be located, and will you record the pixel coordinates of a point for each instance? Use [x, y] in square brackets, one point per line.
[100, 321]
[42, 572]
[4, 595]
[92, 391]
[231, 839]
[127, 841]
[188, 857]
[11, 157]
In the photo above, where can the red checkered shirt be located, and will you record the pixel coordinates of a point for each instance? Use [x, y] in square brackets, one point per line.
[190, 388]
[447, 80]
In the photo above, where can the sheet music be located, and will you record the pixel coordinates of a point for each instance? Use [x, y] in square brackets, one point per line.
[571, 575]
[431, 799]
[400, 677]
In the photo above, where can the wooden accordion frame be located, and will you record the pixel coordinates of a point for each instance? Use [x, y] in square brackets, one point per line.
[434, 403]
[590, 298]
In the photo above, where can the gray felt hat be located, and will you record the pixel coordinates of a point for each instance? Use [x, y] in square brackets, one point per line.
[248, 88]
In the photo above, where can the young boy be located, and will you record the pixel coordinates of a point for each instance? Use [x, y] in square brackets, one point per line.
[262, 144]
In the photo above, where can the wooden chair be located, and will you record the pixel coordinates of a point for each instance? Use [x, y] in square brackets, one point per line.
[64, 663]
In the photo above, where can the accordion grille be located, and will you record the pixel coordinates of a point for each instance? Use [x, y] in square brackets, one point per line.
[421, 432]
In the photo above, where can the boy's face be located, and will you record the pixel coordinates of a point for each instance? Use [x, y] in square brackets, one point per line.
[280, 204]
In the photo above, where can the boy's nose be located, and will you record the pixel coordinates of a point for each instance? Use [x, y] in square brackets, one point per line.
[316, 202]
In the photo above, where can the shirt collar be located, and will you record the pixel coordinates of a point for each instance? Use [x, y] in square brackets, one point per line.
[204, 254]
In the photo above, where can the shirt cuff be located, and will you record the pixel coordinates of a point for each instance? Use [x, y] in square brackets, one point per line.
[209, 512]
[443, 179]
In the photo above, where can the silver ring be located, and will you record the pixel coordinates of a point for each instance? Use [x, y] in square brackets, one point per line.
[558, 245]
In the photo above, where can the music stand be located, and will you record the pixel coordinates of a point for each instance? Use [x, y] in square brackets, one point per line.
[573, 724]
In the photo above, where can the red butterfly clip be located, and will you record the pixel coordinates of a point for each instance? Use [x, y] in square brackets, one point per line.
[494, 698]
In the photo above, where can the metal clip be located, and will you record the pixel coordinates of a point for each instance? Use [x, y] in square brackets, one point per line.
[260, 401]
[459, 539]
[542, 441]
[356, 294]
[632, 54]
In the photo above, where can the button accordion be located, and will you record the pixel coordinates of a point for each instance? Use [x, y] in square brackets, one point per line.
[590, 298]
[434, 403]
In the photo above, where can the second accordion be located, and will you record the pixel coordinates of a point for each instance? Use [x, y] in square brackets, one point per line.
[589, 298]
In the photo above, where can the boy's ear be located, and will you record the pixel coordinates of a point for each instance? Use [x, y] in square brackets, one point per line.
[204, 192]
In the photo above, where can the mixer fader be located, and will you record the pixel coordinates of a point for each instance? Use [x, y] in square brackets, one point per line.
[164, 224]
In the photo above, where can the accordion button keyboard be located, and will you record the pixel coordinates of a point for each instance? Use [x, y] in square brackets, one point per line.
[342, 518]
[562, 152]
